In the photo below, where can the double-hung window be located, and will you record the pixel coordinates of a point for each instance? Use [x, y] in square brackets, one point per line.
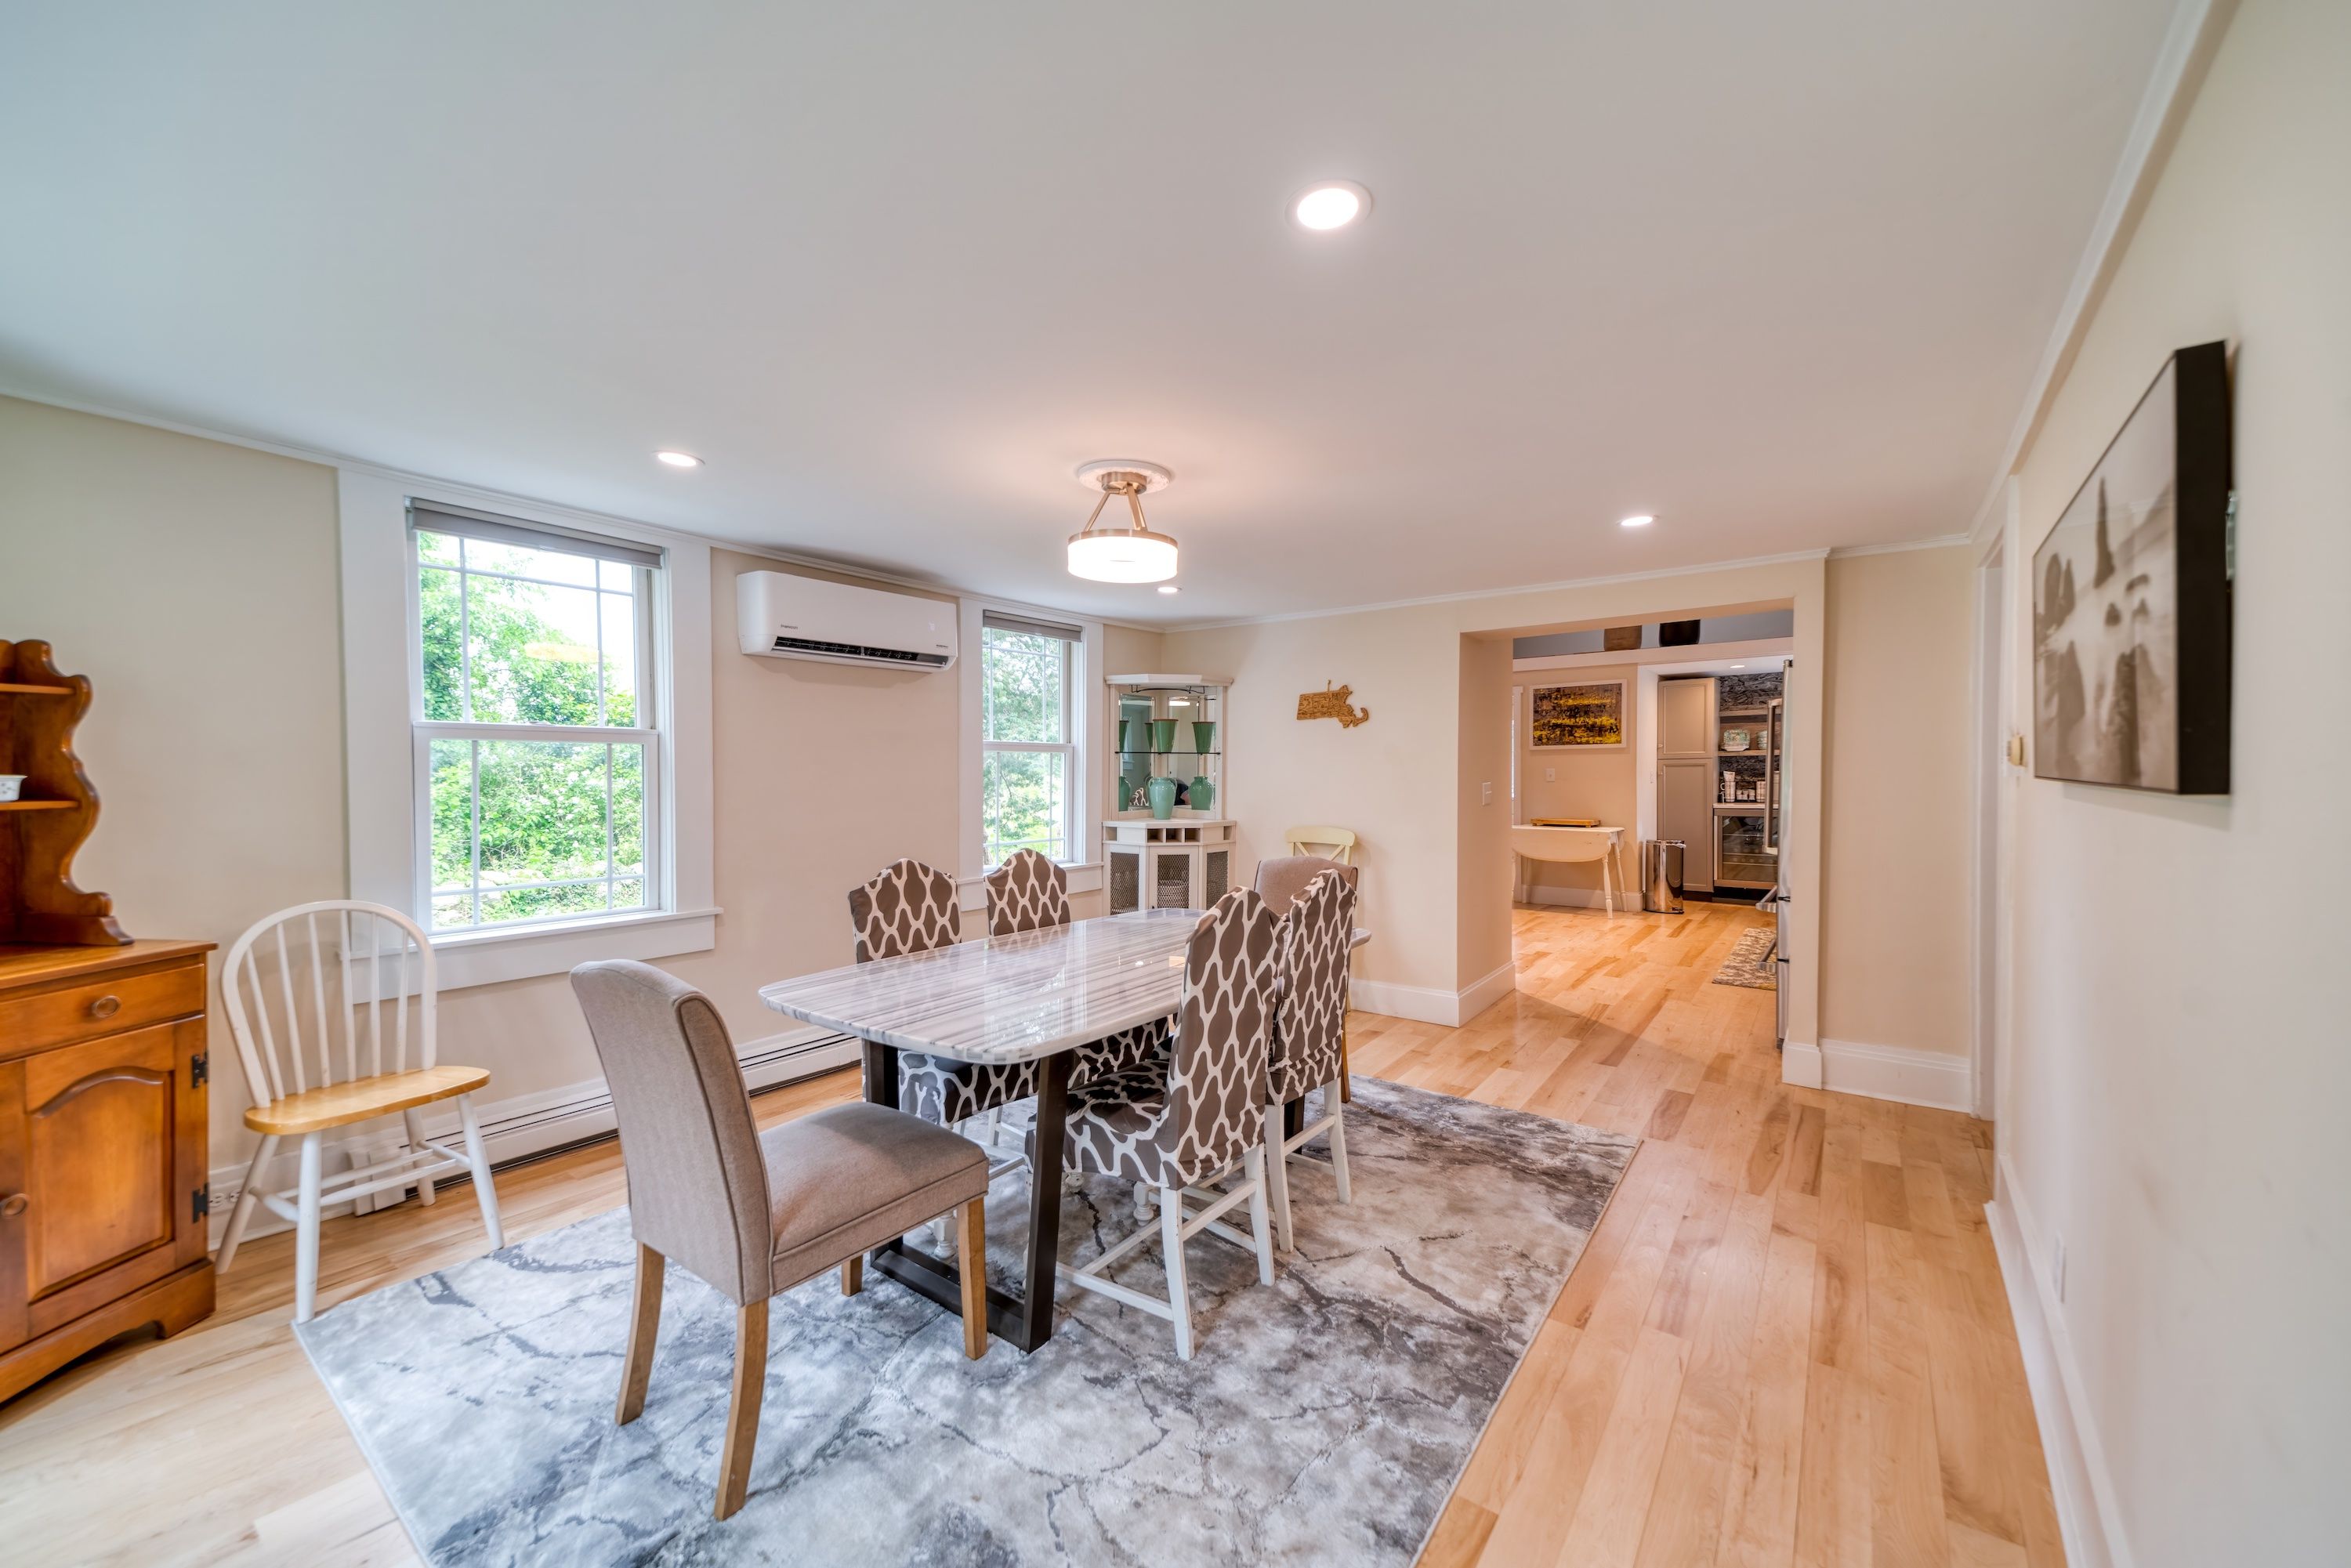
[538, 748]
[1028, 762]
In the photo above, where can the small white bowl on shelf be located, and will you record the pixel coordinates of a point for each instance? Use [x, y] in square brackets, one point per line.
[12, 785]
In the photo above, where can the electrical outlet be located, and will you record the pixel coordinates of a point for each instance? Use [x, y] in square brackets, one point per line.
[1551, 775]
[1485, 794]
[2057, 1266]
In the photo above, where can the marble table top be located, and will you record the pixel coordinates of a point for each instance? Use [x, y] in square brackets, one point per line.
[1007, 998]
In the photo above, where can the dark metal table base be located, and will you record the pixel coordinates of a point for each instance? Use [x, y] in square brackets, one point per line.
[1026, 1320]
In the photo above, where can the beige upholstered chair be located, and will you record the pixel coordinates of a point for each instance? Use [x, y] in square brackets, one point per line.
[755, 1213]
[1281, 881]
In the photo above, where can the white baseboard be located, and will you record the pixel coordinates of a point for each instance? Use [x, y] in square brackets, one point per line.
[2088, 1512]
[1931, 1078]
[515, 1128]
[1426, 1004]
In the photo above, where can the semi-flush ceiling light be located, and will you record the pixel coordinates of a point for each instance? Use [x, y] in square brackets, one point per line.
[1169, 587]
[1639, 520]
[1132, 554]
[1332, 205]
[679, 459]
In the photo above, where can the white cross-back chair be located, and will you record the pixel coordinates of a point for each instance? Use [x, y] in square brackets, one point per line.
[1331, 843]
[307, 990]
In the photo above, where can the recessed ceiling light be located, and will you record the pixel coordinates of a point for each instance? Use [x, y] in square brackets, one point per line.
[679, 459]
[1639, 520]
[1169, 587]
[1738, 666]
[1332, 205]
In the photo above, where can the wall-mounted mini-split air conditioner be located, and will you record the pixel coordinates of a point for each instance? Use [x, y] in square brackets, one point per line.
[788, 617]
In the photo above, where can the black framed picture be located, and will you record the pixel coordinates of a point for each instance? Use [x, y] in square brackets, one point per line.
[2131, 599]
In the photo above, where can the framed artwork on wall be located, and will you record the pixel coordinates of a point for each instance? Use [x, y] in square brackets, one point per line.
[1587, 716]
[2131, 599]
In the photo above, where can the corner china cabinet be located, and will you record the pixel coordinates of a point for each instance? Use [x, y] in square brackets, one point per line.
[1169, 729]
[103, 1195]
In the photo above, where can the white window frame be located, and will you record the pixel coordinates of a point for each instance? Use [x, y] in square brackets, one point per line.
[1074, 671]
[652, 738]
[1087, 700]
[386, 789]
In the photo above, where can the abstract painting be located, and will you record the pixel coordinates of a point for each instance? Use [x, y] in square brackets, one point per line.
[2131, 599]
[1589, 714]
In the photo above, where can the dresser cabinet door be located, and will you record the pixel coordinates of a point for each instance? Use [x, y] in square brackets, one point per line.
[107, 1138]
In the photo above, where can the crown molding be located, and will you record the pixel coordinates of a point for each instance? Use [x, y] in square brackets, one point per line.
[2186, 54]
[1470, 595]
[1940, 541]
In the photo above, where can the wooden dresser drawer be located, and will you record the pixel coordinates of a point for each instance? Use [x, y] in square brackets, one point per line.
[32, 1020]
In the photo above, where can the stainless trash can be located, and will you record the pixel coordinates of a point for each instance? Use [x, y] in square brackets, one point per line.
[1661, 875]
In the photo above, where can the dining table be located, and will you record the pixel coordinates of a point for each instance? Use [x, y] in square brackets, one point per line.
[1035, 996]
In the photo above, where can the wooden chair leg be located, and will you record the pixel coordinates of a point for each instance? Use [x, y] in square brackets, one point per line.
[247, 1197]
[306, 1230]
[1179, 1289]
[852, 1275]
[971, 1262]
[743, 1408]
[644, 1327]
[1346, 1089]
[486, 1188]
[414, 1121]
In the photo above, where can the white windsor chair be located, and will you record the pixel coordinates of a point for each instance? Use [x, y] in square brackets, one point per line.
[304, 1088]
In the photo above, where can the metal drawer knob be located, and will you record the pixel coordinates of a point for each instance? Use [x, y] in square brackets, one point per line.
[105, 1006]
[15, 1204]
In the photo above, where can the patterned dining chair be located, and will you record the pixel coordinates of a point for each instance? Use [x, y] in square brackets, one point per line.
[908, 907]
[751, 1213]
[1197, 1117]
[1310, 1031]
[1028, 892]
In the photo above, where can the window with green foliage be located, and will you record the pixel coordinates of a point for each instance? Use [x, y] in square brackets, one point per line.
[1029, 759]
[537, 748]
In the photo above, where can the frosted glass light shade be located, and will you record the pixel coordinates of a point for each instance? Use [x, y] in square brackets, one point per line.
[1122, 555]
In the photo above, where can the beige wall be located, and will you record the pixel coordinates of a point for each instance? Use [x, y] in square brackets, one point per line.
[1589, 782]
[2173, 1089]
[1898, 801]
[195, 584]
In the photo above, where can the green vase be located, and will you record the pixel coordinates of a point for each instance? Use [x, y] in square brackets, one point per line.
[1162, 791]
[1137, 735]
[1162, 734]
[1204, 794]
[1203, 736]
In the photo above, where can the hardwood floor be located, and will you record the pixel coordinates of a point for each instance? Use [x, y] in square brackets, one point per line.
[1787, 1344]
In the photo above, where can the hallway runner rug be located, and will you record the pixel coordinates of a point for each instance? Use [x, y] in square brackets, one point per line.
[1323, 1420]
[1750, 963]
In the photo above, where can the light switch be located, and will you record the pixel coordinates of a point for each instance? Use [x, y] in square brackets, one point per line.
[1485, 794]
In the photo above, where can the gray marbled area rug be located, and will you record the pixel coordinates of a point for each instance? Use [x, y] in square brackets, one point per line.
[1323, 1420]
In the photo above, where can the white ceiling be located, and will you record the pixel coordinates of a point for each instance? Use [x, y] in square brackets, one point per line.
[1778, 274]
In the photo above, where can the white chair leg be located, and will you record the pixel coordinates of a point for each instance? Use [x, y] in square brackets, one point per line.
[306, 1230]
[486, 1192]
[1142, 1195]
[247, 1197]
[416, 1146]
[1260, 1220]
[1338, 1142]
[1277, 1177]
[1180, 1289]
